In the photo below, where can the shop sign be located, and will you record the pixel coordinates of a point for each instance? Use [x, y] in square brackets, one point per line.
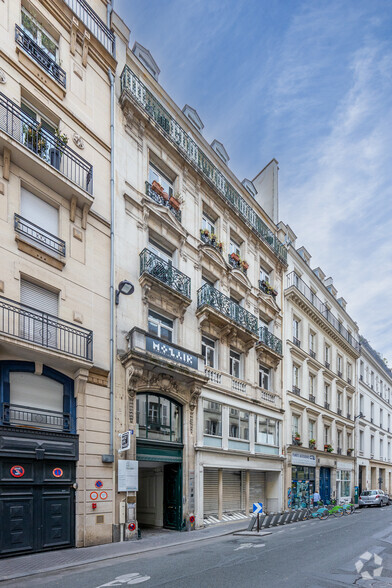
[343, 465]
[171, 352]
[303, 459]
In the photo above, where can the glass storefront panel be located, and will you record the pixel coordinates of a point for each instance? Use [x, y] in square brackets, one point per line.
[302, 486]
[159, 418]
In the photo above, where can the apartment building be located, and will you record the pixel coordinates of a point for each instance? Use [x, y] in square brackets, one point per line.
[199, 341]
[55, 490]
[321, 350]
[373, 427]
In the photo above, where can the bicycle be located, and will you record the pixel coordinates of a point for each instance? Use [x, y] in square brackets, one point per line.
[321, 513]
[348, 509]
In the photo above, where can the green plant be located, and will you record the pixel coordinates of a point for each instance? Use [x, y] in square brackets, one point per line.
[312, 441]
[61, 139]
[34, 139]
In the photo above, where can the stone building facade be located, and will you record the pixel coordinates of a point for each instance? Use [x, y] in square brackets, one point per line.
[54, 276]
[199, 341]
[321, 351]
[373, 426]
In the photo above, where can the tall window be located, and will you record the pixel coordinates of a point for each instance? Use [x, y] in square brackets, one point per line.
[235, 364]
[208, 351]
[389, 451]
[340, 364]
[239, 424]
[212, 418]
[160, 326]
[34, 326]
[312, 429]
[235, 248]
[40, 213]
[39, 34]
[326, 435]
[339, 439]
[372, 380]
[207, 224]
[372, 411]
[361, 370]
[154, 174]
[295, 330]
[160, 251]
[340, 395]
[327, 354]
[296, 376]
[361, 404]
[372, 444]
[349, 441]
[361, 441]
[381, 418]
[312, 341]
[349, 406]
[349, 371]
[381, 449]
[264, 377]
[158, 418]
[389, 422]
[268, 431]
[326, 393]
[295, 425]
[264, 275]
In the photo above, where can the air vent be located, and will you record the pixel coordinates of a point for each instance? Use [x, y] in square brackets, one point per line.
[99, 519]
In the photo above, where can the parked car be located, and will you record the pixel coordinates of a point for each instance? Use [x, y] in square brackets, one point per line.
[373, 498]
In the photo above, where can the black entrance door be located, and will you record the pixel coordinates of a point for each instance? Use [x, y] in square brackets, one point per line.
[37, 509]
[172, 502]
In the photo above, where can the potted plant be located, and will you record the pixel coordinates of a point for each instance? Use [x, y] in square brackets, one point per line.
[213, 238]
[297, 439]
[312, 443]
[350, 451]
[55, 153]
[235, 257]
[157, 188]
[220, 246]
[328, 447]
[34, 139]
[245, 265]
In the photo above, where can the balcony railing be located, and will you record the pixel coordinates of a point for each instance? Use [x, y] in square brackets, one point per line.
[339, 411]
[35, 233]
[296, 342]
[164, 272]
[293, 279]
[326, 405]
[312, 398]
[349, 381]
[327, 365]
[267, 288]
[312, 354]
[39, 55]
[238, 385]
[266, 337]
[26, 131]
[339, 374]
[208, 295]
[160, 200]
[296, 391]
[14, 414]
[213, 375]
[131, 84]
[94, 24]
[46, 330]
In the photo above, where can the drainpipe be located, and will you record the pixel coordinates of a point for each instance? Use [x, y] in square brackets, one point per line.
[110, 457]
[109, 10]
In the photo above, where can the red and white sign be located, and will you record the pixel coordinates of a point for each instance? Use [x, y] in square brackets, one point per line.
[131, 526]
[17, 471]
[57, 472]
[103, 495]
[93, 495]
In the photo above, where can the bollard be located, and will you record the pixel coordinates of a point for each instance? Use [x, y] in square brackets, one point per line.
[275, 520]
[268, 520]
[290, 516]
[284, 518]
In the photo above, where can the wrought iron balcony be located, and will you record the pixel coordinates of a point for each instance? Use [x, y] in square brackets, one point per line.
[161, 200]
[349, 381]
[326, 405]
[211, 240]
[208, 295]
[270, 340]
[267, 288]
[312, 398]
[39, 55]
[296, 342]
[327, 365]
[293, 279]
[35, 233]
[132, 86]
[14, 414]
[339, 411]
[26, 131]
[91, 20]
[296, 391]
[312, 354]
[33, 326]
[339, 374]
[164, 272]
[237, 263]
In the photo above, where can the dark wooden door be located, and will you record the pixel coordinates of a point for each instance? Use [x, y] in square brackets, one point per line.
[325, 484]
[172, 496]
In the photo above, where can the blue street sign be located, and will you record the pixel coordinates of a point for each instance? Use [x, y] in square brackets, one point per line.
[257, 507]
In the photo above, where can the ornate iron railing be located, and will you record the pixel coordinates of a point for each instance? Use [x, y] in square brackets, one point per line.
[208, 295]
[267, 288]
[94, 24]
[293, 279]
[14, 414]
[131, 84]
[160, 200]
[296, 390]
[39, 55]
[24, 129]
[164, 272]
[46, 330]
[38, 235]
[270, 340]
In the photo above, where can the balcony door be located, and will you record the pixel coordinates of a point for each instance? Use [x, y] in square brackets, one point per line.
[37, 323]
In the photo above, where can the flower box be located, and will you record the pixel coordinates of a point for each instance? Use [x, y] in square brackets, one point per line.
[235, 257]
[174, 203]
[157, 188]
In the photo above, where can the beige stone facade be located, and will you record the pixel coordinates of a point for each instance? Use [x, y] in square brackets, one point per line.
[54, 276]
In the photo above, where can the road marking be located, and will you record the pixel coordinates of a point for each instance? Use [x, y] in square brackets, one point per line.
[133, 578]
[247, 546]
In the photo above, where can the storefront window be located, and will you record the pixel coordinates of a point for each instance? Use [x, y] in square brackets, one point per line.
[302, 486]
[158, 418]
[212, 418]
[268, 431]
[239, 424]
[343, 484]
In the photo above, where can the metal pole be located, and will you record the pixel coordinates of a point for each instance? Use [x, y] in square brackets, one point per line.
[258, 522]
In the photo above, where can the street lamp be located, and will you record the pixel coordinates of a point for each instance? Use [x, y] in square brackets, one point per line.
[125, 287]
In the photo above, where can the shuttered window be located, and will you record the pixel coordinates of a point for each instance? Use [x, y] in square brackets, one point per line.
[39, 212]
[231, 490]
[256, 488]
[38, 327]
[38, 297]
[210, 492]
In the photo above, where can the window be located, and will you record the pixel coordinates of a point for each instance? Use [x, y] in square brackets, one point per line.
[40, 213]
[361, 404]
[295, 425]
[160, 326]
[343, 484]
[35, 326]
[326, 434]
[264, 275]
[327, 353]
[349, 371]
[312, 385]
[339, 439]
[295, 329]
[264, 377]
[235, 248]
[381, 417]
[208, 351]
[372, 380]
[372, 411]
[340, 396]
[349, 406]
[312, 341]
[389, 451]
[207, 224]
[312, 429]
[361, 441]
[296, 376]
[35, 140]
[235, 364]
[361, 370]
[389, 422]
[155, 175]
[160, 251]
[340, 364]
[326, 393]
[37, 400]
[372, 444]
[159, 418]
[268, 431]
[39, 34]
[349, 445]
[212, 418]
[381, 449]
[239, 424]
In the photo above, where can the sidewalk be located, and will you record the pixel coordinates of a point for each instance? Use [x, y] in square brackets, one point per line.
[36, 563]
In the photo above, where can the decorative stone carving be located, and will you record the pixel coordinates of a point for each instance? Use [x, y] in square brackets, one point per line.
[77, 139]
[195, 393]
[3, 77]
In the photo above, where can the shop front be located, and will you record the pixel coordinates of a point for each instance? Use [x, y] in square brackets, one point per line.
[303, 478]
[343, 483]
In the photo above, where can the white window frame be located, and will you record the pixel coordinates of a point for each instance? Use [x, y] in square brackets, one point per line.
[264, 376]
[159, 321]
[155, 174]
[209, 345]
[40, 30]
[208, 224]
[235, 359]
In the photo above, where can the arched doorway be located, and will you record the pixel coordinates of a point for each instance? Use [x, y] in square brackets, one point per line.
[159, 451]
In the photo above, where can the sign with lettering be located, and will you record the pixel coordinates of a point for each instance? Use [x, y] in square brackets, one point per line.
[171, 352]
[303, 459]
[127, 475]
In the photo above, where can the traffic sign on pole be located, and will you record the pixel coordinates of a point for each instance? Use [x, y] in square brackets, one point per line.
[257, 507]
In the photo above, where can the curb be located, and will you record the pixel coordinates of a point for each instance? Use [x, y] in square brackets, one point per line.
[116, 556]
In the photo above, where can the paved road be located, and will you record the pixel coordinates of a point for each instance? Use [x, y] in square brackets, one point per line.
[309, 554]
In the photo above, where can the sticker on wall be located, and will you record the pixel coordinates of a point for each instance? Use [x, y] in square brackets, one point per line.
[103, 495]
[93, 495]
[98, 484]
[57, 472]
[17, 471]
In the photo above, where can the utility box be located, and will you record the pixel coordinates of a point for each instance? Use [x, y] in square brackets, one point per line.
[122, 512]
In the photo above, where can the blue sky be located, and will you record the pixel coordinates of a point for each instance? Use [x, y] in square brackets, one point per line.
[309, 83]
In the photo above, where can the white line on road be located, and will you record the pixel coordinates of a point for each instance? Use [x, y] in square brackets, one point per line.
[133, 578]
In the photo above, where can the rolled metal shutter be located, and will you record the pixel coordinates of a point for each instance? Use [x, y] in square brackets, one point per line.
[210, 492]
[231, 490]
[39, 298]
[256, 488]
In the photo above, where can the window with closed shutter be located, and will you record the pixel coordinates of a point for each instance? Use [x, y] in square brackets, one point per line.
[38, 323]
[39, 212]
[210, 492]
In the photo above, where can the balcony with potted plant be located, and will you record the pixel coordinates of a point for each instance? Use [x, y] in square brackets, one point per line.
[297, 439]
[157, 193]
[350, 451]
[266, 287]
[312, 443]
[238, 263]
[328, 448]
[211, 239]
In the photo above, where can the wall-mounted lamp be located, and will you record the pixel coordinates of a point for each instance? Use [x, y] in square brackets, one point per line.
[124, 287]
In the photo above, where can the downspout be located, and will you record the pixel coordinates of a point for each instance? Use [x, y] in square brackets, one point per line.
[112, 276]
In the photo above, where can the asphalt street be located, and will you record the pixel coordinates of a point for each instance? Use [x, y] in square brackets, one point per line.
[352, 550]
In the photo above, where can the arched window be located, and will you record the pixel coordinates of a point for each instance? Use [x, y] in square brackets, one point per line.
[159, 418]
